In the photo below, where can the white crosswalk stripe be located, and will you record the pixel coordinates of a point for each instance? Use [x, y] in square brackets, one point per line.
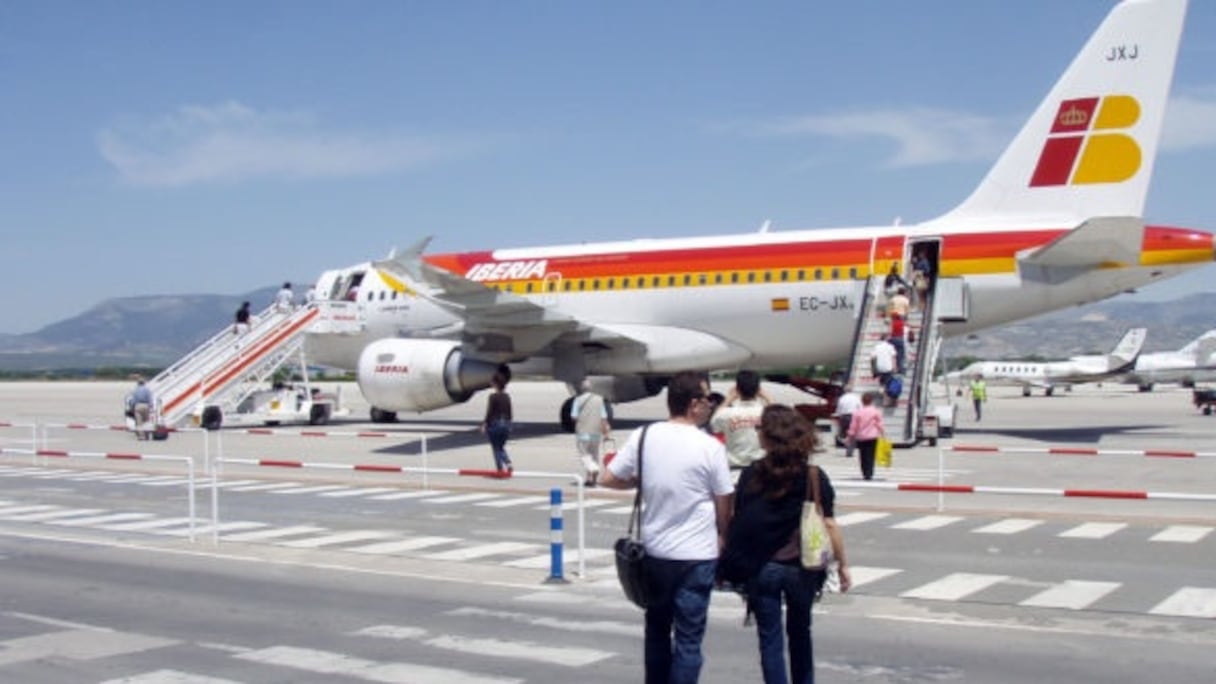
[1182, 534]
[954, 586]
[326, 662]
[928, 522]
[337, 538]
[360, 491]
[151, 525]
[410, 495]
[170, 677]
[569, 556]
[102, 519]
[53, 515]
[461, 498]
[859, 517]
[569, 656]
[1197, 602]
[6, 511]
[1072, 594]
[264, 487]
[208, 528]
[273, 533]
[863, 575]
[573, 505]
[401, 545]
[1010, 526]
[316, 489]
[481, 551]
[513, 501]
[1098, 530]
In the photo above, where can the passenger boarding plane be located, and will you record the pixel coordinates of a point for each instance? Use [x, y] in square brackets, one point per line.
[1057, 222]
[1195, 362]
[1052, 374]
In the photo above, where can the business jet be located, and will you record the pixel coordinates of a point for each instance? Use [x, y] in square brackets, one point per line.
[1058, 221]
[1195, 362]
[1052, 374]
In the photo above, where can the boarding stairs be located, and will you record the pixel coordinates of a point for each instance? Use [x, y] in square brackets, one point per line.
[903, 416]
[227, 368]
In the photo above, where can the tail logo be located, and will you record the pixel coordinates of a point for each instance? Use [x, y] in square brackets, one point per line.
[1086, 144]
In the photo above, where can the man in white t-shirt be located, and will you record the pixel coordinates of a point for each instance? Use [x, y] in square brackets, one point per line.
[848, 402]
[882, 360]
[737, 419]
[591, 428]
[686, 506]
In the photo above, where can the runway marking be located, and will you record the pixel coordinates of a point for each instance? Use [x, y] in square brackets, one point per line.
[469, 553]
[228, 483]
[326, 662]
[568, 557]
[462, 498]
[1071, 594]
[165, 482]
[1182, 534]
[77, 644]
[170, 677]
[1010, 526]
[859, 517]
[337, 538]
[1093, 530]
[1188, 602]
[569, 656]
[359, 491]
[400, 545]
[11, 510]
[274, 533]
[216, 529]
[517, 501]
[862, 575]
[954, 586]
[619, 510]
[410, 495]
[928, 522]
[52, 515]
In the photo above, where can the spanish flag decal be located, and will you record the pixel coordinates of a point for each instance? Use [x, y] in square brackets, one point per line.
[781, 304]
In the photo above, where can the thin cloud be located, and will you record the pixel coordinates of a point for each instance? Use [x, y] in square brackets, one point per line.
[921, 137]
[233, 142]
[1190, 122]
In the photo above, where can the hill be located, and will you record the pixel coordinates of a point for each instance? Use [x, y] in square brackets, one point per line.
[156, 330]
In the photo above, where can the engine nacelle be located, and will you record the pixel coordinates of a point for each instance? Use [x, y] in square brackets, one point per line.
[419, 375]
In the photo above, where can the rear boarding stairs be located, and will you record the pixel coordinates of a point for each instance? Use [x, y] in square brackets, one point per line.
[907, 417]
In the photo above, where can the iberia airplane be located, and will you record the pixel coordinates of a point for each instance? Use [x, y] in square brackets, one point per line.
[1057, 222]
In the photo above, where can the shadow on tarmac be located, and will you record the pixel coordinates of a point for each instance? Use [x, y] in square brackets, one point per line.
[1066, 435]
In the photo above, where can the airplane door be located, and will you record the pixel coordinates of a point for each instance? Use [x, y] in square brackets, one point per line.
[886, 251]
[550, 286]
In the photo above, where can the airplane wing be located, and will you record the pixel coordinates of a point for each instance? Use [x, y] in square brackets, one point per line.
[497, 323]
[1096, 242]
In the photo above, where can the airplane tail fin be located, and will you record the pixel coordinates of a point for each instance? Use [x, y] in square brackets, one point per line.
[1125, 353]
[1203, 348]
[1088, 150]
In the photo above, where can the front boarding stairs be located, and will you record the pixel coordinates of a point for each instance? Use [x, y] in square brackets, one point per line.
[228, 367]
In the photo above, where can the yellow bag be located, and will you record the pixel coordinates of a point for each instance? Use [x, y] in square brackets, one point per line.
[882, 452]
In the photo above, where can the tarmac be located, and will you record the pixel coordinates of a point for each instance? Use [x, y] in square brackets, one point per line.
[1045, 444]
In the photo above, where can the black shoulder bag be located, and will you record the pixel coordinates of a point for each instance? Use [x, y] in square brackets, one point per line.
[630, 552]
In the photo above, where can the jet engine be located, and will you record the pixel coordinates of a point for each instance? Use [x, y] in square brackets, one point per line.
[419, 375]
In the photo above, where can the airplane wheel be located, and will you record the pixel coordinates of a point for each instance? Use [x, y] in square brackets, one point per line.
[1050, 391]
[564, 418]
[1207, 410]
[1025, 391]
[381, 416]
[1145, 387]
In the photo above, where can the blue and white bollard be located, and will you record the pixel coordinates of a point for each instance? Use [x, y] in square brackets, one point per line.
[555, 537]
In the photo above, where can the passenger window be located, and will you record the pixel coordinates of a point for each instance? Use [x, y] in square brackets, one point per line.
[835, 274]
[687, 279]
[751, 276]
[853, 272]
[734, 277]
[529, 287]
[671, 281]
[611, 284]
[819, 274]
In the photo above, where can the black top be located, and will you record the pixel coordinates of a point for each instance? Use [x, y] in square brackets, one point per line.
[242, 315]
[498, 408]
[761, 527]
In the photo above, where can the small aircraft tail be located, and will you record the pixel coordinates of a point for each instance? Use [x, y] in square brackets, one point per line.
[1088, 150]
[1124, 354]
[1202, 348]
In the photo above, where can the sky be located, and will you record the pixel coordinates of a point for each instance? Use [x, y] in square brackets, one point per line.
[218, 147]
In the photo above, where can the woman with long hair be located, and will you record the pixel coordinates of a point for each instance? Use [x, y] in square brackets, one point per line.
[763, 547]
[497, 423]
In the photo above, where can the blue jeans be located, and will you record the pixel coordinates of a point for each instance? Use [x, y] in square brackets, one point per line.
[798, 587]
[498, 432]
[679, 602]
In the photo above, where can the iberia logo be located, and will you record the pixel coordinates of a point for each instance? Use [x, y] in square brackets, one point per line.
[1086, 144]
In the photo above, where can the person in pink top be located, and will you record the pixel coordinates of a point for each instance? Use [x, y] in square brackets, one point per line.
[864, 431]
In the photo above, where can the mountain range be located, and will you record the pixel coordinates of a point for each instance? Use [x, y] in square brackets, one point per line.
[154, 331]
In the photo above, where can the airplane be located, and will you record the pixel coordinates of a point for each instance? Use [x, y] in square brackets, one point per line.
[1052, 374]
[1057, 222]
[1195, 362]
